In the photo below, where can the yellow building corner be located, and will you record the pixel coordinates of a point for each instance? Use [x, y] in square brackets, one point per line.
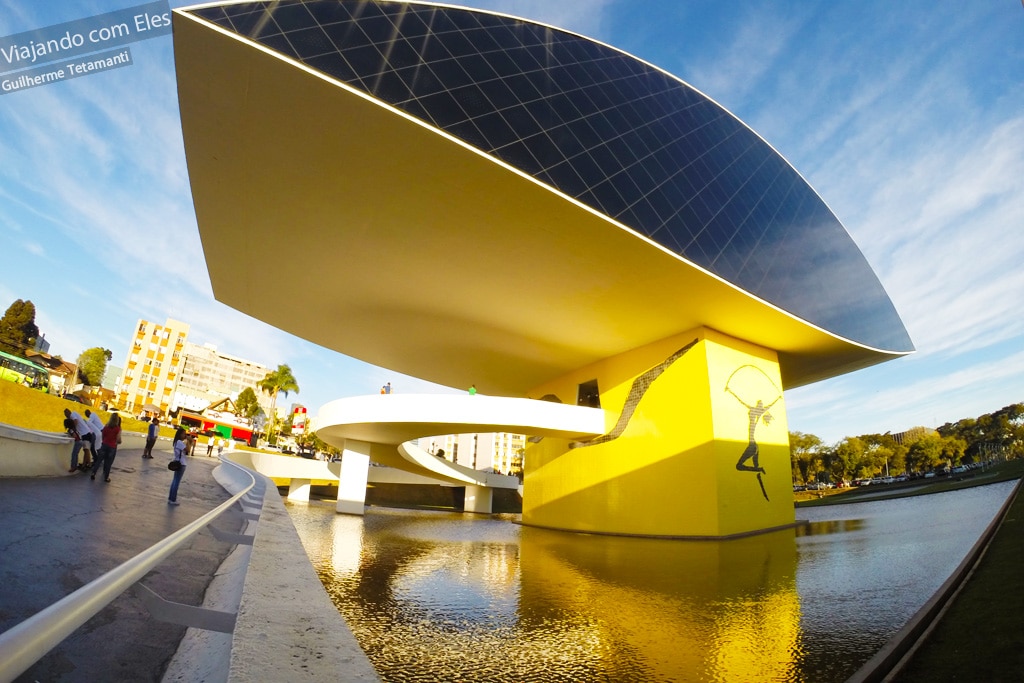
[696, 444]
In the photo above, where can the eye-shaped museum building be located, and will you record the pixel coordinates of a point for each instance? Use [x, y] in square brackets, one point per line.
[474, 198]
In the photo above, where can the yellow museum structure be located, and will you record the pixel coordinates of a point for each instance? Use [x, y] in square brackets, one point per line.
[628, 274]
[696, 444]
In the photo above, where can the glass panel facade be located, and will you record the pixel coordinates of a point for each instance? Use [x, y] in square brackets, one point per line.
[614, 133]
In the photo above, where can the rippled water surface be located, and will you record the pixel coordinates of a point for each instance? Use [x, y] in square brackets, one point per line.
[449, 596]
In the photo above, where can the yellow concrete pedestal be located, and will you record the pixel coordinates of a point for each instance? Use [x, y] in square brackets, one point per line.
[696, 444]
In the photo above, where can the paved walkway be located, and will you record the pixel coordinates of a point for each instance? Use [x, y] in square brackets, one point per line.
[59, 534]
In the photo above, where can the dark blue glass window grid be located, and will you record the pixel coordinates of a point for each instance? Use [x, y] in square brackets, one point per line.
[600, 126]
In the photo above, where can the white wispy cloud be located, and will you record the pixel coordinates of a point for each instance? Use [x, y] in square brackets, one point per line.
[587, 17]
[900, 400]
[733, 72]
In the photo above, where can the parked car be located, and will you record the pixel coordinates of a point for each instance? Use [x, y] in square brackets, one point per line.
[73, 398]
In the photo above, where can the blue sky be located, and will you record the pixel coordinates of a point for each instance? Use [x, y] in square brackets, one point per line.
[907, 118]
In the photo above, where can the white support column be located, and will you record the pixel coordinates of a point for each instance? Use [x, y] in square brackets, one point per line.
[479, 499]
[355, 467]
[298, 489]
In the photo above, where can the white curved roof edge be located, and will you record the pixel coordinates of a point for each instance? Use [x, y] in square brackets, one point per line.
[397, 418]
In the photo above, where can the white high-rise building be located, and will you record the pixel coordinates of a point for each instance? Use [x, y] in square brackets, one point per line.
[499, 452]
[209, 375]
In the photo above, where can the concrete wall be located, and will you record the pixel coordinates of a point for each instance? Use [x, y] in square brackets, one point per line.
[285, 466]
[435, 495]
[287, 628]
[28, 453]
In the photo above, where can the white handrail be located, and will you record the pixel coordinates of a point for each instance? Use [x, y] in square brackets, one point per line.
[25, 644]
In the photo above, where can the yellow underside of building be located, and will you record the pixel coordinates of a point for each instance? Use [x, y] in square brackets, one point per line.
[691, 420]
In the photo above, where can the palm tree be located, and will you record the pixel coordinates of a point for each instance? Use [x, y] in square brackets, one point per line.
[280, 380]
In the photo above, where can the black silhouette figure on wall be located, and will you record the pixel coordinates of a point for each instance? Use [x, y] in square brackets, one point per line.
[751, 387]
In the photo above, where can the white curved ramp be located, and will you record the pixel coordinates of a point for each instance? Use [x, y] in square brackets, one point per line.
[397, 418]
[452, 472]
[389, 422]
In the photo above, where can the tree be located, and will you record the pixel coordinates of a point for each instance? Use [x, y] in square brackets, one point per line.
[92, 365]
[925, 454]
[849, 459]
[998, 432]
[1008, 425]
[276, 382]
[247, 404]
[805, 452]
[883, 455]
[312, 442]
[18, 331]
[953, 449]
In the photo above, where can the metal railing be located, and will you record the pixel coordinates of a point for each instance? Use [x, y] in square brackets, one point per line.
[25, 644]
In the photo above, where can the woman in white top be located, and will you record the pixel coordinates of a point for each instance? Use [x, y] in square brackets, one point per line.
[180, 446]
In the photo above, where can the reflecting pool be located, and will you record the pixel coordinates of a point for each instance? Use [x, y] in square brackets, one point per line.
[450, 596]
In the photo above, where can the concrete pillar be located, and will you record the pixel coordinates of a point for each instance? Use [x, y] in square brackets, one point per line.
[355, 467]
[479, 499]
[298, 489]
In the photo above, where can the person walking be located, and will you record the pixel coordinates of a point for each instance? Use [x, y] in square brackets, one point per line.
[96, 426]
[111, 437]
[180, 449]
[151, 434]
[83, 439]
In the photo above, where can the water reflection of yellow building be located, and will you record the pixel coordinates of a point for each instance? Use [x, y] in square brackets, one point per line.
[704, 610]
[435, 593]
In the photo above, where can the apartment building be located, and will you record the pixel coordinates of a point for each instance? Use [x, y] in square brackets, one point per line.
[152, 368]
[164, 371]
[499, 452]
[209, 375]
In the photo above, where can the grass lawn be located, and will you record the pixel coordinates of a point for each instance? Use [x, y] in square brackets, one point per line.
[32, 409]
[981, 635]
